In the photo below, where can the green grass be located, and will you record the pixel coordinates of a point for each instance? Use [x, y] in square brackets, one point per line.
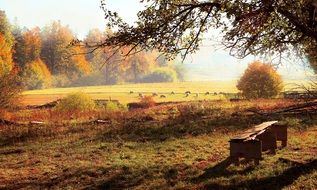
[178, 146]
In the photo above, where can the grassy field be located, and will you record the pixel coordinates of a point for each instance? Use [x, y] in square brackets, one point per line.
[178, 145]
[122, 92]
[174, 146]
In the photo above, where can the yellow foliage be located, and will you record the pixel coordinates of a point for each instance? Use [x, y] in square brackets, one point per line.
[6, 62]
[260, 81]
[37, 75]
[40, 66]
[79, 59]
[76, 102]
[33, 44]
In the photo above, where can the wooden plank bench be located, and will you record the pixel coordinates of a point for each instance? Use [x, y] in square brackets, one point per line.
[252, 142]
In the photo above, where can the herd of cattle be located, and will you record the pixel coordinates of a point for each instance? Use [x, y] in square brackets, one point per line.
[187, 94]
[233, 97]
[286, 94]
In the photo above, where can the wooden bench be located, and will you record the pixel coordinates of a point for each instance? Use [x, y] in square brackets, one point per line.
[252, 142]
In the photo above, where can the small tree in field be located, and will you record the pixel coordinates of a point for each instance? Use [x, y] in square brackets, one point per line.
[260, 81]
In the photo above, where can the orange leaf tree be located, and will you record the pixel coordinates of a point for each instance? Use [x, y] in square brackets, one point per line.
[9, 82]
[260, 81]
[6, 44]
[33, 70]
[36, 75]
[61, 59]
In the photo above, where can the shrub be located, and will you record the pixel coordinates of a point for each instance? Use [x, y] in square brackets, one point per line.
[147, 102]
[76, 102]
[260, 81]
[161, 75]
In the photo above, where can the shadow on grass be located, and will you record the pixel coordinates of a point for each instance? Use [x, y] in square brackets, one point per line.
[273, 182]
[220, 170]
[178, 128]
[85, 178]
[189, 124]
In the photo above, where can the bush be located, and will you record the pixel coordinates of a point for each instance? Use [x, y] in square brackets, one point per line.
[161, 75]
[147, 102]
[76, 102]
[260, 81]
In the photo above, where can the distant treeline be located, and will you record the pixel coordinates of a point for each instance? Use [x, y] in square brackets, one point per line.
[44, 58]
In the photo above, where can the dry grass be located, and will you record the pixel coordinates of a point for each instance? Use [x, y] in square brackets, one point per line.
[122, 92]
[173, 146]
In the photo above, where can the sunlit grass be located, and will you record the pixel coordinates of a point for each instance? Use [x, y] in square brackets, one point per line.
[178, 146]
[122, 92]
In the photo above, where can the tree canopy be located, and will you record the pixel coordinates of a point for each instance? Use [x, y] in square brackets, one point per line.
[6, 45]
[248, 27]
[260, 81]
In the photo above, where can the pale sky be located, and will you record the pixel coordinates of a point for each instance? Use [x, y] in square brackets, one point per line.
[83, 15]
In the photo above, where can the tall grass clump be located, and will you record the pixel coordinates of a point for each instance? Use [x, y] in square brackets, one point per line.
[76, 102]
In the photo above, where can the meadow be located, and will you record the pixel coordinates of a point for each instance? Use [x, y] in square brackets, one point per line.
[123, 95]
[172, 146]
[122, 92]
[181, 144]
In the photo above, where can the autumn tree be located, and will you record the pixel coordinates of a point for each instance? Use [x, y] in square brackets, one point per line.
[62, 59]
[36, 75]
[260, 81]
[6, 44]
[27, 51]
[248, 27]
[106, 63]
[32, 45]
[10, 87]
[94, 37]
[112, 63]
[137, 65]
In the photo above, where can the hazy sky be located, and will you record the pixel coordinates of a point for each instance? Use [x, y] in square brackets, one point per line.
[83, 15]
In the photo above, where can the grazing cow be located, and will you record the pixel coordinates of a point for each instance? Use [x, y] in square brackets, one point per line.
[207, 93]
[154, 94]
[131, 92]
[187, 92]
[172, 92]
[140, 95]
[162, 96]
[215, 93]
